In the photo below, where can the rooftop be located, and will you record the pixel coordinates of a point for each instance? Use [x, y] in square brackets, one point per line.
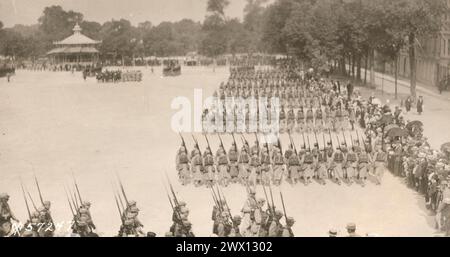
[77, 38]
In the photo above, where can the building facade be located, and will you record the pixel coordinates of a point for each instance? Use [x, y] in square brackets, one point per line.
[432, 56]
[77, 49]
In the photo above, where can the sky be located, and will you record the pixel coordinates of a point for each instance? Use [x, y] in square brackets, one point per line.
[28, 11]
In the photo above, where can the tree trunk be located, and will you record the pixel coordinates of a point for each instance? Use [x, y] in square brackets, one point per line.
[353, 67]
[396, 74]
[365, 68]
[358, 68]
[342, 64]
[372, 68]
[412, 64]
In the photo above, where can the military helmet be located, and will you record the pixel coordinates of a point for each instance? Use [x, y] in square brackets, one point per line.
[181, 203]
[351, 226]
[128, 222]
[278, 213]
[83, 211]
[290, 220]
[237, 218]
[131, 203]
[4, 196]
[86, 203]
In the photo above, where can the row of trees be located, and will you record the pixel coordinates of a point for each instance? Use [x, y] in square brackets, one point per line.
[346, 33]
[215, 36]
[349, 32]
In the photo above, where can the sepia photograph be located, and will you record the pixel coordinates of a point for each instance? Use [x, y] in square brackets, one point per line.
[224, 119]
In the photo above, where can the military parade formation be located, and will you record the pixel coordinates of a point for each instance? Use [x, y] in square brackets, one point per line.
[342, 138]
[107, 76]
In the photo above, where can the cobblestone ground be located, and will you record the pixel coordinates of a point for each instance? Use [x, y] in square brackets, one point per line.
[53, 124]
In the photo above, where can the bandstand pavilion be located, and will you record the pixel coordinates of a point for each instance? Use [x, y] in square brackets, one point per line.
[77, 49]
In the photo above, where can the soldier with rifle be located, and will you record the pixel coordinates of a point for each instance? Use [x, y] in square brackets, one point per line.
[45, 215]
[293, 162]
[233, 156]
[182, 163]
[278, 164]
[248, 212]
[287, 229]
[300, 120]
[6, 215]
[318, 120]
[222, 165]
[351, 165]
[197, 168]
[209, 168]
[310, 119]
[337, 163]
[244, 165]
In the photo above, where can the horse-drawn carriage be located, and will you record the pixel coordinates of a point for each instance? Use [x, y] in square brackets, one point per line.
[171, 68]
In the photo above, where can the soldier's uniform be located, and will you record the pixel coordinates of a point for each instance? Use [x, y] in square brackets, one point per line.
[337, 165]
[244, 166]
[293, 167]
[319, 120]
[282, 120]
[6, 215]
[255, 169]
[210, 172]
[266, 169]
[248, 214]
[308, 167]
[275, 227]
[222, 168]
[278, 168]
[310, 119]
[300, 121]
[291, 120]
[233, 156]
[322, 166]
[197, 169]
[364, 162]
[287, 229]
[182, 163]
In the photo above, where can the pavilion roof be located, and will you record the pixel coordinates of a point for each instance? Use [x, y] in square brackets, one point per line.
[73, 50]
[77, 38]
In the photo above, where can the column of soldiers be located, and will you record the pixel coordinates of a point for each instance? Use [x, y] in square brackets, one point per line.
[306, 105]
[266, 163]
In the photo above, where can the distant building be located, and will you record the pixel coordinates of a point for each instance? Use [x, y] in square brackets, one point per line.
[432, 56]
[77, 49]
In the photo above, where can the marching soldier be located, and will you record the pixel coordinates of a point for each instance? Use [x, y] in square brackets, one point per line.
[308, 167]
[290, 120]
[197, 168]
[351, 165]
[265, 175]
[278, 168]
[300, 120]
[310, 119]
[322, 166]
[244, 168]
[364, 162]
[319, 120]
[233, 157]
[287, 229]
[337, 165]
[275, 228]
[209, 175]
[293, 168]
[222, 167]
[248, 213]
[182, 163]
[6, 215]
